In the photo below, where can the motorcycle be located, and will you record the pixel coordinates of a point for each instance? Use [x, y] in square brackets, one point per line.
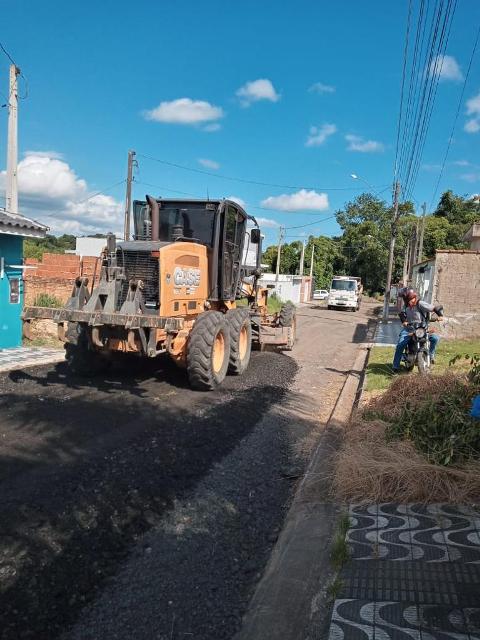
[417, 351]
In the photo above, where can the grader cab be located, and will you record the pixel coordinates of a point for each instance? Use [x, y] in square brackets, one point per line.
[186, 286]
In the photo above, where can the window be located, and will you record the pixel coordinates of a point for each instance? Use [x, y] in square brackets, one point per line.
[14, 290]
[344, 285]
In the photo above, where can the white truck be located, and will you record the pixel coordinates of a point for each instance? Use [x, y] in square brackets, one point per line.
[345, 292]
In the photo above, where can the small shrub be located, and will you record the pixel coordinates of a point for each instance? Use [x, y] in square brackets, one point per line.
[47, 300]
[440, 428]
[474, 372]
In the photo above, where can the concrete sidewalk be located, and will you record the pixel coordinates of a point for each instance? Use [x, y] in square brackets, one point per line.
[386, 334]
[21, 357]
[414, 572]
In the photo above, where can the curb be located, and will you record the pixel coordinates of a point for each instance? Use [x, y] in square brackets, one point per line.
[293, 589]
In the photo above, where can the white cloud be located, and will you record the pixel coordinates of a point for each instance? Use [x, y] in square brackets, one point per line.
[52, 193]
[461, 163]
[184, 111]
[241, 202]
[357, 143]
[471, 177]
[318, 135]
[267, 223]
[431, 167]
[447, 68]
[41, 154]
[319, 87]
[473, 109]
[303, 200]
[208, 164]
[210, 128]
[261, 89]
[472, 126]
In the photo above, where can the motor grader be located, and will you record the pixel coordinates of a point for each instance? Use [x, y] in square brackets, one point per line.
[175, 289]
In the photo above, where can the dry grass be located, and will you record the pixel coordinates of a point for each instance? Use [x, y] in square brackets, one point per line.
[370, 469]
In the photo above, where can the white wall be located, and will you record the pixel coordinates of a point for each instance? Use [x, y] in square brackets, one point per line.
[287, 287]
[89, 246]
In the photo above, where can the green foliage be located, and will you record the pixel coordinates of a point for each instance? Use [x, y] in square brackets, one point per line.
[441, 429]
[36, 247]
[47, 300]
[340, 552]
[457, 210]
[474, 362]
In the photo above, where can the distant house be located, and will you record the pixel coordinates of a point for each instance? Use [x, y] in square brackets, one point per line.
[288, 287]
[13, 228]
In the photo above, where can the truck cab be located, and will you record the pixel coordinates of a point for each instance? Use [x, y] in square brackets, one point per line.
[345, 292]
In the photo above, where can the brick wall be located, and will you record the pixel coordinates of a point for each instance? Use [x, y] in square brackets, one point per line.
[457, 281]
[55, 274]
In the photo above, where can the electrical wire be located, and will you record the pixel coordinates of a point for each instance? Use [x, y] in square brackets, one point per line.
[455, 120]
[405, 57]
[244, 180]
[25, 96]
[99, 193]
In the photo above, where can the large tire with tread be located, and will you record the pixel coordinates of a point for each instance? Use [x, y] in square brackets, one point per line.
[423, 370]
[240, 340]
[288, 318]
[208, 351]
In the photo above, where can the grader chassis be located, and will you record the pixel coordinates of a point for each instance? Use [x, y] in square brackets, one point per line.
[175, 289]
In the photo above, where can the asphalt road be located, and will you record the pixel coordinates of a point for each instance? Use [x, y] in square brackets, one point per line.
[134, 507]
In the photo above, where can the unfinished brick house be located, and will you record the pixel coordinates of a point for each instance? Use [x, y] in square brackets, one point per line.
[452, 279]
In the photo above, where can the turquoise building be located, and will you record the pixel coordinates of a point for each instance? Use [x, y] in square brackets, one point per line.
[13, 228]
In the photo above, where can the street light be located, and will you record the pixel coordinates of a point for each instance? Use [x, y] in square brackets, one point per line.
[355, 177]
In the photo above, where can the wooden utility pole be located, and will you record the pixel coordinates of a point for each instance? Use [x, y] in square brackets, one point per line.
[279, 252]
[302, 258]
[11, 190]
[128, 195]
[391, 253]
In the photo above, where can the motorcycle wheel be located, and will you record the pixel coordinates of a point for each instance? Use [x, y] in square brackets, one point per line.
[423, 368]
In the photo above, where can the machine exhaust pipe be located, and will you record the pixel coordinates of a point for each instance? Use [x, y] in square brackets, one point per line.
[155, 217]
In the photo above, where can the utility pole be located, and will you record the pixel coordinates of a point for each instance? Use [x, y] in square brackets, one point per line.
[422, 233]
[279, 252]
[311, 263]
[12, 142]
[405, 264]
[128, 195]
[391, 253]
[302, 258]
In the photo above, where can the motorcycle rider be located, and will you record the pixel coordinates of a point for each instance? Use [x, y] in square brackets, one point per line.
[415, 310]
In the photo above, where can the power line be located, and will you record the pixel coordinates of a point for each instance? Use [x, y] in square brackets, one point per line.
[244, 180]
[310, 224]
[99, 193]
[24, 97]
[455, 120]
[405, 56]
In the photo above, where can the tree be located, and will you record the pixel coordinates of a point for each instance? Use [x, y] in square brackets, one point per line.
[457, 210]
[36, 247]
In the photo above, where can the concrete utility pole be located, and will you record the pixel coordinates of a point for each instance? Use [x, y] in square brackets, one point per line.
[311, 262]
[422, 233]
[12, 143]
[391, 253]
[128, 195]
[302, 258]
[279, 252]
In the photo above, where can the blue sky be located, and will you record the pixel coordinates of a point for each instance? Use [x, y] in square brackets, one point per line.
[108, 76]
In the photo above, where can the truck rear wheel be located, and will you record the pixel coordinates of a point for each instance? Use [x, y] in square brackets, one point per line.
[240, 340]
[208, 351]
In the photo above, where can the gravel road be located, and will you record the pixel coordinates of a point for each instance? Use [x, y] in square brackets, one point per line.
[134, 507]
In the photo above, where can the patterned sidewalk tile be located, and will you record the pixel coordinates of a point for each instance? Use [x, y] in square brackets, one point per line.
[413, 574]
[21, 357]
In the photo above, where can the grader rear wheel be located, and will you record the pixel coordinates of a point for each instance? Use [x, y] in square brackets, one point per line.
[240, 340]
[208, 351]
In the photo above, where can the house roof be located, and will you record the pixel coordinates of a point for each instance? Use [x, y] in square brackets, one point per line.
[15, 224]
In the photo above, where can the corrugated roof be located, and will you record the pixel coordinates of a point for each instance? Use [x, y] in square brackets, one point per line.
[20, 222]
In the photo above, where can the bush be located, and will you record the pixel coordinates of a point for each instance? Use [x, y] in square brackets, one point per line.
[47, 300]
[441, 429]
